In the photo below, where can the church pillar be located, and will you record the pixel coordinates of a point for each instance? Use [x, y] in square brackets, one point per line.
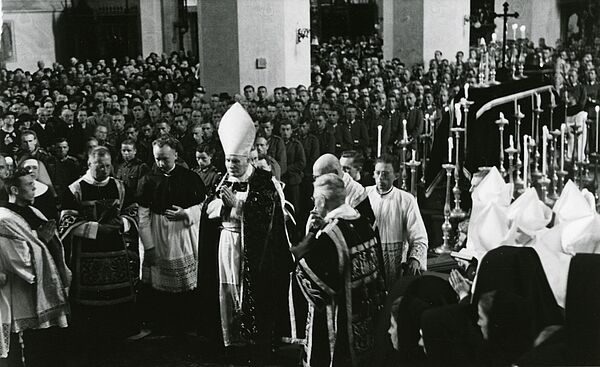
[252, 42]
[151, 27]
[415, 29]
[170, 16]
[540, 17]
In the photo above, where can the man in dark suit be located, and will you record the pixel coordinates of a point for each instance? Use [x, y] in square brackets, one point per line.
[414, 120]
[358, 130]
[324, 134]
[343, 138]
[296, 161]
[73, 133]
[43, 128]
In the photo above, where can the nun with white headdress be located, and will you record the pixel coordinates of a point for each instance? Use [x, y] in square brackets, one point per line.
[45, 197]
[245, 262]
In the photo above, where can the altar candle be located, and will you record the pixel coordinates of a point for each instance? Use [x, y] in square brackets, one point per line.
[597, 109]
[379, 128]
[522, 29]
[538, 100]
[511, 142]
[427, 123]
[552, 99]
[514, 29]
[404, 132]
[494, 37]
[414, 155]
[544, 150]
[458, 114]
[467, 91]
[519, 109]
[525, 158]
[450, 146]
[563, 127]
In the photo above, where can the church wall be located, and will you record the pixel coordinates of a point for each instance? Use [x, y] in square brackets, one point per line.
[444, 28]
[540, 17]
[403, 35]
[297, 55]
[218, 49]
[33, 38]
[151, 23]
[261, 35]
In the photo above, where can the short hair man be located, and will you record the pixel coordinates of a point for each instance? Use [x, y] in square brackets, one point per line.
[170, 199]
[401, 228]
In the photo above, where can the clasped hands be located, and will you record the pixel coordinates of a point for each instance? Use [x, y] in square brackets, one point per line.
[176, 213]
[228, 197]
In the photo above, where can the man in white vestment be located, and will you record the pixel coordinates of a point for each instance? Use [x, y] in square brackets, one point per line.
[401, 228]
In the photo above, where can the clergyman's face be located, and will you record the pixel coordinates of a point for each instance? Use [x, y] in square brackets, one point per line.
[384, 176]
[236, 165]
[165, 157]
[100, 167]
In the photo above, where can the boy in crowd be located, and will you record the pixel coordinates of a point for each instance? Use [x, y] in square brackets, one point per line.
[206, 170]
[132, 169]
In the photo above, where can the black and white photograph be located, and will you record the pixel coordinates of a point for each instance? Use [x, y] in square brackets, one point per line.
[299, 183]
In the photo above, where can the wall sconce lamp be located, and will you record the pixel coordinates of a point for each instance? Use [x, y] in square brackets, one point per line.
[302, 33]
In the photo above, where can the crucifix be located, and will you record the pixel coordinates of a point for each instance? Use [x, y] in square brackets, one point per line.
[505, 15]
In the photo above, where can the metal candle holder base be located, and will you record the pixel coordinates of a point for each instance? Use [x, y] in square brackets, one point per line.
[457, 212]
[413, 176]
[403, 144]
[544, 181]
[511, 167]
[446, 226]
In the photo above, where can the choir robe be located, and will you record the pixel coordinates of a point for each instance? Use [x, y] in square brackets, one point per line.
[401, 229]
[101, 237]
[34, 293]
[340, 271]
[245, 264]
[175, 242]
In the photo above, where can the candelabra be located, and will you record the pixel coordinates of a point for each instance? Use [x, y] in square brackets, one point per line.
[552, 193]
[518, 164]
[501, 122]
[466, 105]
[544, 181]
[425, 139]
[535, 127]
[457, 212]
[552, 106]
[446, 226]
[535, 157]
[511, 151]
[413, 164]
[403, 144]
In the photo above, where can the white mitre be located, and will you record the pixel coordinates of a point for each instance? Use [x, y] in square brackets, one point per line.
[237, 131]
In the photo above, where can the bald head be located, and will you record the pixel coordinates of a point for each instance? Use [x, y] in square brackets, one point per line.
[327, 163]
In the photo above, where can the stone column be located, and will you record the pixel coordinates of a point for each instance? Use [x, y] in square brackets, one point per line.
[151, 27]
[252, 42]
[414, 29]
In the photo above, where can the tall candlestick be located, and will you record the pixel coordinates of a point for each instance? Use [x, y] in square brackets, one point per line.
[379, 128]
[544, 150]
[563, 127]
[404, 132]
[511, 142]
[514, 29]
[450, 146]
[552, 99]
[597, 109]
[467, 88]
[427, 123]
[414, 155]
[538, 100]
[525, 159]
[458, 114]
[522, 29]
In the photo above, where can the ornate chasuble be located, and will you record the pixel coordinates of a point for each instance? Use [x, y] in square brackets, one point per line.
[104, 271]
[264, 273]
[340, 273]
